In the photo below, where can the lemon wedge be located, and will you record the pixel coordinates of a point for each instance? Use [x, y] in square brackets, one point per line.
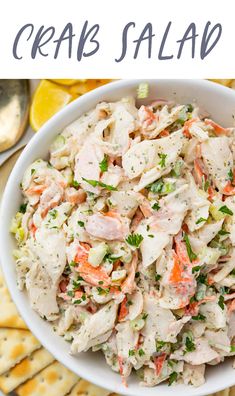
[227, 82]
[82, 87]
[48, 99]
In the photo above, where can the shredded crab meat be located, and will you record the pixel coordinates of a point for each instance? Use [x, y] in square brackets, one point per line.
[126, 239]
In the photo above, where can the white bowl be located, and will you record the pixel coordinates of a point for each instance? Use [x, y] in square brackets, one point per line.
[219, 102]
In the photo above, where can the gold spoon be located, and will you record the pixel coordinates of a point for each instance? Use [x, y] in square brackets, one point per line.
[14, 109]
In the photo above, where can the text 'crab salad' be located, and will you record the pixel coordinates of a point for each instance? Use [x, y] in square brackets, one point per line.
[126, 239]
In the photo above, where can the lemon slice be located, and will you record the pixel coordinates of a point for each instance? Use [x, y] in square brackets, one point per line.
[48, 99]
[66, 81]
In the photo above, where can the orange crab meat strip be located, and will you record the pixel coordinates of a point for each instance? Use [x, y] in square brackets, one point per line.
[181, 250]
[90, 274]
[35, 190]
[164, 133]
[229, 189]
[136, 219]
[199, 174]
[211, 193]
[63, 285]
[219, 130]
[112, 214]
[159, 361]
[145, 207]
[32, 228]
[78, 294]
[149, 116]
[120, 363]
[186, 127]
[75, 196]
[93, 276]
[82, 253]
[123, 310]
[177, 273]
[129, 283]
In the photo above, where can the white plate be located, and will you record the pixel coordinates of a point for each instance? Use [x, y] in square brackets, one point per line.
[216, 100]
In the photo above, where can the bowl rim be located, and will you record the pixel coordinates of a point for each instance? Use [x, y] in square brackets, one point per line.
[26, 311]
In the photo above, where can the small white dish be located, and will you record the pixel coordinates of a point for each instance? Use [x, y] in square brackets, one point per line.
[219, 102]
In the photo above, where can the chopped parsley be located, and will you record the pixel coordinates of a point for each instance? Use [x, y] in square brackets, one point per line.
[157, 277]
[162, 161]
[23, 208]
[189, 108]
[199, 317]
[224, 290]
[95, 183]
[200, 220]
[53, 213]
[134, 240]
[192, 300]
[232, 348]
[75, 184]
[81, 223]
[226, 210]
[221, 302]
[77, 302]
[141, 352]
[72, 264]
[205, 183]
[102, 291]
[104, 164]
[223, 232]
[190, 346]
[172, 378]
[192, 256]
[131, 352]
[196, 269]
[230, 175]
[67, 270]
[160, 345]
[202, 279]
[70, 293]
[145, 315]
[156, 206]
[32, 171]
[77, 284]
